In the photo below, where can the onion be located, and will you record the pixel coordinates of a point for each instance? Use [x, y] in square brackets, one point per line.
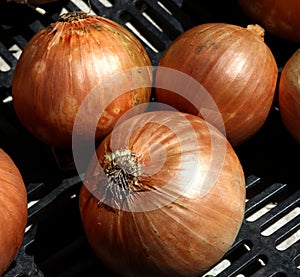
[289, 95]
[13, 210]
[279, 17]
[166, 198]
[63, 63]
[234, 65]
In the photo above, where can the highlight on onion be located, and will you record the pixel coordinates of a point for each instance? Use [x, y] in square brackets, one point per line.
[279, 17]
[164, 195]
[62, 63]
[289, 95]
[234, 65]
[13, 210]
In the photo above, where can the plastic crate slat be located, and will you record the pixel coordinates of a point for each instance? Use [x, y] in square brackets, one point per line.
[36, 26]
[279, 211]
[10, 60]
[20, 41]
[168, 22]
[269, 270]
[149, 27]
[291, 253]
[261, 199]
[24, 264]
[286, 265]
[286, 230]
[174, 6]
[69, 250]
[147, 30]
[259, 245]
[72, 7]
[33, 187]
[177, 13]
[248, 263]
[5, 79]
[252, 181]
[237, 267]
[7, 55]
[100, 9]
[50, 201]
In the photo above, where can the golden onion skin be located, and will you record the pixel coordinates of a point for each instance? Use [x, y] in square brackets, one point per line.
[63, 63]
[166, 226]
[279, 17]
[13, 210]
[289, 95]
[234, 65]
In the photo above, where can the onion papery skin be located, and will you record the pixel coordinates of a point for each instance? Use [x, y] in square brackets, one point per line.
[289, 95]
[63, 63]
[234, 65]
[167, 231]
[278, 17]
[13, 210]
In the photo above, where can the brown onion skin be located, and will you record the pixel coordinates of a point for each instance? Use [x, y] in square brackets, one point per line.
[184, 237]
[62, 63]
[279, 17]
[234, 65]
[289, 95]
[13, 210]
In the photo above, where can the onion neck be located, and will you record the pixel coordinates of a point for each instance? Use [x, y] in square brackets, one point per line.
[122, 171]
[73, 16]
[257, 30]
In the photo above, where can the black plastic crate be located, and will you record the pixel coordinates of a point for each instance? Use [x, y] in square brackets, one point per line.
[54, 244]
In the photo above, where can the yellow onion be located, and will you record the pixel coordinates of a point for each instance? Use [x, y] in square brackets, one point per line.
[289, 95]
[163, 196]
[63, 63]
[279, 17]
[233, 64]
[13, 210]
